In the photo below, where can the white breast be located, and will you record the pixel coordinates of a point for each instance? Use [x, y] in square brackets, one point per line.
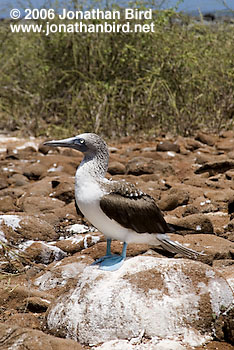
[88, 194]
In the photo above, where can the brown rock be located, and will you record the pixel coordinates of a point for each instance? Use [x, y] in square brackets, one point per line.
[173, 198]
[64, 212]
[219, 183]
[3, 182]
[168, 202]
[204, 205]
[64, 191]
[214, 247]
[215, 178]
[24, 152]
[21, 338]
[224, 326]
[69, 152]
[58, 165]
[41, 252]
[152, 155]
[37, 229]
[219, 196]
[216, 345]
[15, 296]
[116, 168]
[17, 228]
[227, 133]
[36, 304]
[148, 149]
[26, 319]
[219, 221]
[71, 211]
[222, 264]
[190, 209]
[228, 235]
[7, 204]
[165, 146]
[230, 175]
[150, 177]
[215, 167]
[226, 269]
[152, 188]
[39, 204]
[18, 180]
[30, 149]
[206, 138]
[230, 155]
[49, 217]
[40, 188]
[197, 181]
[11, 153]
[202, 158]
[126, 139]
[141, 165]
[192, 145]
[43, 149]
[226, 145]
[78, 242]
[35, 171]
[230, 226]
[200, 223]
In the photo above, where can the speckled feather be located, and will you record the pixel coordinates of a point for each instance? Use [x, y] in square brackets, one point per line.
[130, 207]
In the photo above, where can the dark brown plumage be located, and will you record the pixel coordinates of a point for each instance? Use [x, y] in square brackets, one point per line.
[138, 211]
[132, 211]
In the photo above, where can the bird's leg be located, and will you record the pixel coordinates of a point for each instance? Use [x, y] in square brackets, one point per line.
[108, 247]
[108, 253]
[113, 262]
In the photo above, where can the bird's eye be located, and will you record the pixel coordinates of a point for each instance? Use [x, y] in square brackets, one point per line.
[79, 141]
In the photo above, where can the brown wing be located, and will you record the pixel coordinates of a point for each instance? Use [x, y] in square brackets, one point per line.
[137, 211]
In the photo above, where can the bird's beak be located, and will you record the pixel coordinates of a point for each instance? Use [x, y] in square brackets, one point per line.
[70, 142]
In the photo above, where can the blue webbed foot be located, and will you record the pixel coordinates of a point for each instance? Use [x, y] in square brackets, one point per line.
[100, 260]
[112, 263]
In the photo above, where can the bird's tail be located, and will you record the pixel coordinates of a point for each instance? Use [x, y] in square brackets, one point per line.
[176, 247]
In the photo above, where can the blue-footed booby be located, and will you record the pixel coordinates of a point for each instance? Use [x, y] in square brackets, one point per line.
[116, 208]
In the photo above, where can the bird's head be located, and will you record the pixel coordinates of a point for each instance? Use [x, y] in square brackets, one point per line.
[86, 143]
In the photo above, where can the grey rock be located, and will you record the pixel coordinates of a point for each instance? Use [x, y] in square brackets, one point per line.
[160, 296]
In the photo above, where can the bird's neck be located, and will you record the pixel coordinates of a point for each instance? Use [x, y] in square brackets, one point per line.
[94, 165]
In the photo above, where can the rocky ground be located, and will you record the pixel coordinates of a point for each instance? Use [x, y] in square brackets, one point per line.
[50, 296]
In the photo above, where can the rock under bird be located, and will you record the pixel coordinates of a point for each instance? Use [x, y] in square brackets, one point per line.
[116, 208]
